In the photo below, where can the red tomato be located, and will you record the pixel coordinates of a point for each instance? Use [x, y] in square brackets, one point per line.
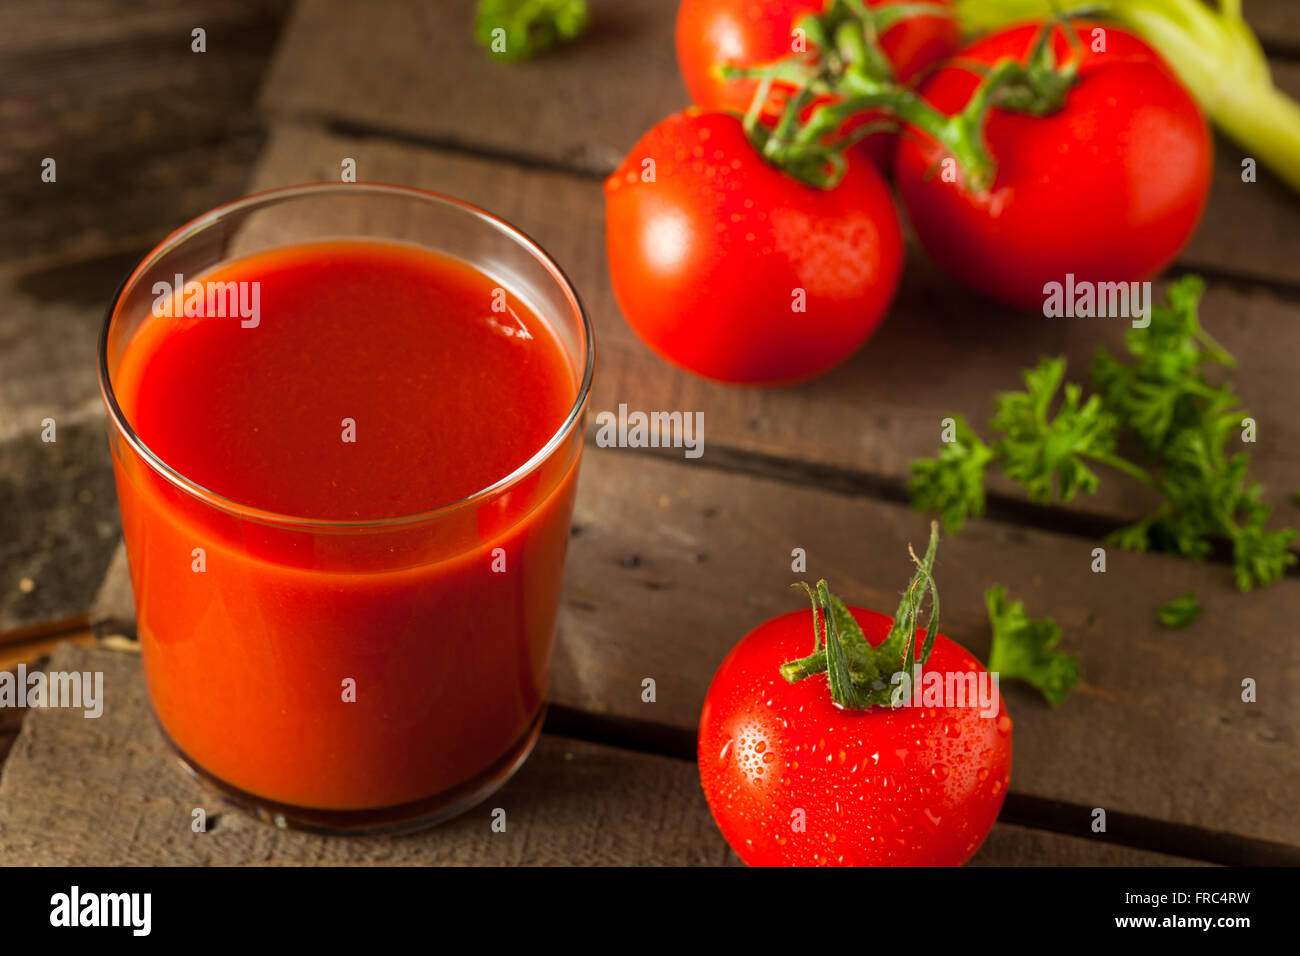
[907, 786]
[750, 33]
[1109, 188]
[730, 268]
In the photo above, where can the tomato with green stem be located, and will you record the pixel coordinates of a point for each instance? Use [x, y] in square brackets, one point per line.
[745, 34]
[1106, 183]
[852, 769]
[735, 270]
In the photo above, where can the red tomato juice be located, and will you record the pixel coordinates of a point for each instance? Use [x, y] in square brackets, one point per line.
[360, 654]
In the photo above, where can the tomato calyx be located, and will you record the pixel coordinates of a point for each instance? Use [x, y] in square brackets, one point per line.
[859, 675]
[844, 74]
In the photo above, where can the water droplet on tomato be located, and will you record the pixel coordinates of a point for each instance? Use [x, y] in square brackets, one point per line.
[1004, 725]
[951, 728]
[939, 771]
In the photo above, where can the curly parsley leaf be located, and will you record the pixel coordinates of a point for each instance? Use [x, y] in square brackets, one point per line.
[952, 483]
[1164, 388]
[1026, 650]
[1045, 452]
[522, 29]
[1048, 438]
[1179, 612]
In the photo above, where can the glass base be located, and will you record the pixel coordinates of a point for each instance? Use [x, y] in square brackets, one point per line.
[402, 818]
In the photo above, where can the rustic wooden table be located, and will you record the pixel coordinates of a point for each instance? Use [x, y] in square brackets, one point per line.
[671, 560]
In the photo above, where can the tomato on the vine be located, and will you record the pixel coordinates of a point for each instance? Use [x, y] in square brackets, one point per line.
[730, 268]
[752, 33]
[794, 779]
[1108, 188]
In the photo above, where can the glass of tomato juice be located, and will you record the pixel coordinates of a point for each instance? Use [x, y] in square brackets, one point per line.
[346, 423]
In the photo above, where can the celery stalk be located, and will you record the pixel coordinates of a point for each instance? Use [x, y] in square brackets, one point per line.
[1211, 49]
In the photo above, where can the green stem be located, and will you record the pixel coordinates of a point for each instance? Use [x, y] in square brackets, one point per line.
[1212, 50]
[1127, 467]
[858, 75]
[858, 674]
[1270, 128]
[1217, 352]
[795, 671]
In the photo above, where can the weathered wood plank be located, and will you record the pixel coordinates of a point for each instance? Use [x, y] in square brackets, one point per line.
[145, 132]
[877, 412]
[73, 793]
[59, 524]
[108, 792]
[62, 24]
[416, 70]
[58, 511]
[1152, 731]
[671, 564]
[49, 329]
[421, 72]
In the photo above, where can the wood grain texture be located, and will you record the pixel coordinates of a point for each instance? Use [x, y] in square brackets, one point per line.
[671, 563]
[58, 511]
[1156, 729]
[877, 412]
[53, 25]
[145, 133]
[108, 792]
[59, 523]
[416, 71]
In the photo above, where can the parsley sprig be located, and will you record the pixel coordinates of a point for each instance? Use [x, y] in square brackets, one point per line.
[523, 29]
[1179, 612]
[1024, 649]
[1049, 438]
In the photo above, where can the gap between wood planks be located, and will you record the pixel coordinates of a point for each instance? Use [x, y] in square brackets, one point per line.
[636, 736]
[649, 737]
[859, 484]
[1125, 829]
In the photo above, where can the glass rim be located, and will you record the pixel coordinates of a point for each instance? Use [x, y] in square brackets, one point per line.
[246, 511]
